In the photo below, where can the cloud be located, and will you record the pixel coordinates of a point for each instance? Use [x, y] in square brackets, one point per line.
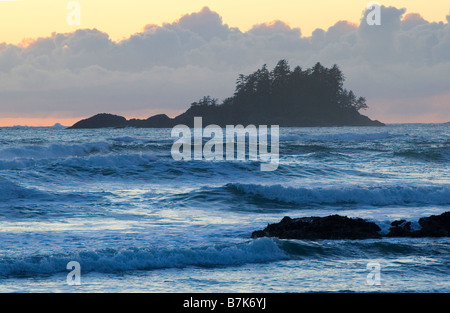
[412, 20]
[403, 65]
[206, 23]
[275, 28]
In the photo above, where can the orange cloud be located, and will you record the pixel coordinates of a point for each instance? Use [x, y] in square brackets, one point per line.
[413, 17]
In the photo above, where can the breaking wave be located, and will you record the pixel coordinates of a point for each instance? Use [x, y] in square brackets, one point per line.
[374, 195]
[131, 259]
[12, 191]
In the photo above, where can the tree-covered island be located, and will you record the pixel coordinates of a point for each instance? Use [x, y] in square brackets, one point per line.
[288, 98]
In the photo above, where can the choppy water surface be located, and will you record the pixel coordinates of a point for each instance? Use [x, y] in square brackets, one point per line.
[115, 201]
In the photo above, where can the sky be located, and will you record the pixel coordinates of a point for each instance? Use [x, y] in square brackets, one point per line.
[137, 58]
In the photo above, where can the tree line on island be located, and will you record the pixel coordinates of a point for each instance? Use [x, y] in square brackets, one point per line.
[284, 97]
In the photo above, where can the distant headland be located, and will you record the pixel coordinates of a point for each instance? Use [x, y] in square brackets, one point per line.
[288, 98]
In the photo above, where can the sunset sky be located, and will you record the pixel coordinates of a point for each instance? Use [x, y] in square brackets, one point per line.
[138, 58]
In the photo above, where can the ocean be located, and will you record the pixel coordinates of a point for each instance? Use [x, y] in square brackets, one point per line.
[136, 220]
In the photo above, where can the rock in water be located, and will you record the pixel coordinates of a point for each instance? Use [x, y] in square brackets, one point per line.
[435, 225]
[400, 228]
[432, 226]
[342, 227]
[329, 227]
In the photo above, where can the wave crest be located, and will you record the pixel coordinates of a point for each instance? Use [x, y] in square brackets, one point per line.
[12, 191]
[112, 260]
[374, 195]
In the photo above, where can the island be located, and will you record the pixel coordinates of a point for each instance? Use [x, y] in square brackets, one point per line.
[288, 98]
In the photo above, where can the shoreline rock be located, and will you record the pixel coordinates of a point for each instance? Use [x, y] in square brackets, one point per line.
[343, 227]
[432, 226]
[328, 227]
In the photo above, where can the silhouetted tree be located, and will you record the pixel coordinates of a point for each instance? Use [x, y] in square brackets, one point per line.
[284, 93]
[205, 101]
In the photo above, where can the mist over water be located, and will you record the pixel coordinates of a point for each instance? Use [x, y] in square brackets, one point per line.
[115, 201]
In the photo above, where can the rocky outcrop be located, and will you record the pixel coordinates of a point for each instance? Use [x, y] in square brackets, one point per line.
[105, 120]
[400, 228]
[432, 226]
[219, 116]
[435, 225]
[329, 227]
[342, 227]
[102, 120]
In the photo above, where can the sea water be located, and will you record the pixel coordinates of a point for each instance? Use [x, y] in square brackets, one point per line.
[136, 220]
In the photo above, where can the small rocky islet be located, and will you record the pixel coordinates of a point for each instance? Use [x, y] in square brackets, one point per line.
[343, 227]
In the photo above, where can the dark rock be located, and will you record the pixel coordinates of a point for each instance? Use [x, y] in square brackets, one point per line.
[435, 225]
[400, 228]
[329, 227]
[342, 227]
[432, 226]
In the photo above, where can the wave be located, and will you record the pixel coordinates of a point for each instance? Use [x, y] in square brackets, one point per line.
[261, 250]
[434, 154]
[131, 259]
[373, 195]
[371, 248]
[54, 151]
[142, 164]
[126, 139]
[112, 161]
[12, 191]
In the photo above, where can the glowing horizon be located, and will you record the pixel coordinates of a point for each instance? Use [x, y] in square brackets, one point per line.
[26, 21]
